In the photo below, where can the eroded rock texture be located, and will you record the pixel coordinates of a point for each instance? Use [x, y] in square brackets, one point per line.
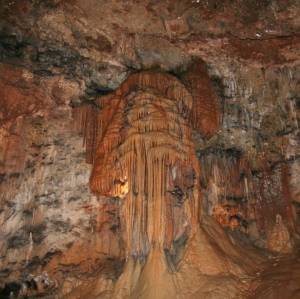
[149, 149]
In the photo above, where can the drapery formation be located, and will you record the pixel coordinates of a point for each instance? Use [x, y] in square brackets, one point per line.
[139, 140]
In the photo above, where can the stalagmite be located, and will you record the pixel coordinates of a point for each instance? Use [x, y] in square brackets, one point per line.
[279, 239]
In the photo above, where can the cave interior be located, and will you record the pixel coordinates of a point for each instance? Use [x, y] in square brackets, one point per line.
[149, 149]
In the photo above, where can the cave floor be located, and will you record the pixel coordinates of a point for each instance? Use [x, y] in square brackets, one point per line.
[279, 279]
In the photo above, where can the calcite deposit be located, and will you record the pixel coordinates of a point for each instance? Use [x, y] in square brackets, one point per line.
[149, 149]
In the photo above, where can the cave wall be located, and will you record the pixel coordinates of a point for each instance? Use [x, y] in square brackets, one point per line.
[253, 160]
[57, 55]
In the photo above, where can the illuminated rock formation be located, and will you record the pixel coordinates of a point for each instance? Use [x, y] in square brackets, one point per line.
[142, 151]
[139, 140]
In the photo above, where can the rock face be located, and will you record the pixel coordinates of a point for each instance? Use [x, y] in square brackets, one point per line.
[89, 210]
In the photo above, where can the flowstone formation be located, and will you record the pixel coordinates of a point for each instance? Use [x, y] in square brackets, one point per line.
[139, 140]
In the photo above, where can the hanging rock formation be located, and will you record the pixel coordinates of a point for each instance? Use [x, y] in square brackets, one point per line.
[139, 140]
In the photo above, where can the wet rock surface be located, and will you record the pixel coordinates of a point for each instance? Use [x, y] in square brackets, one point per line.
[56, 55]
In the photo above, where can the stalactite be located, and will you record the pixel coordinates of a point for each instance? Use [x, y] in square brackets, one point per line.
[206, 109]
[221, 176]
[140, 144]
